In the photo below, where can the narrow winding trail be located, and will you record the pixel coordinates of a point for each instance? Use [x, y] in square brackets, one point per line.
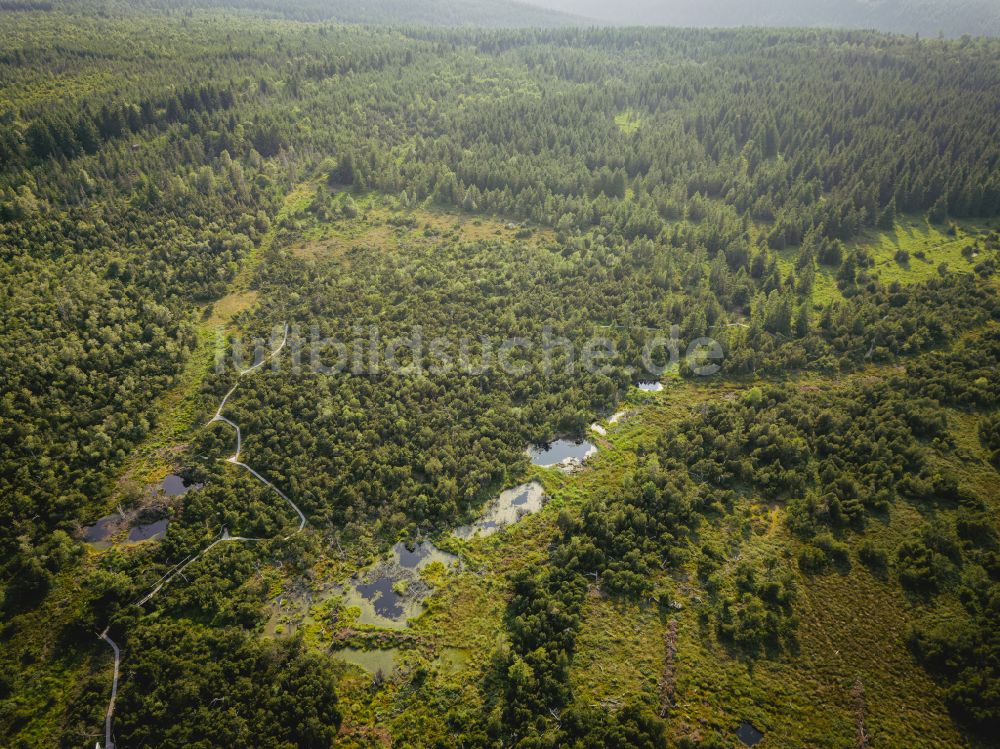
[108, 742]
[235, 459]
[178, 569]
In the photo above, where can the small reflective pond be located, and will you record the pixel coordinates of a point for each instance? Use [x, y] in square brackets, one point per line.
[148, 531]
[422, 554]
[175, 486]
[383, 598]
[748, 734]
[97, 534]
[507, 509]
[650, 387]
[392, 591]
[381, 606]
[561, 451]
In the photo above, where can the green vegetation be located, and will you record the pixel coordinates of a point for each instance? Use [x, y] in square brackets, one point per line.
[629, 121]
[819, 514]
[221, 687]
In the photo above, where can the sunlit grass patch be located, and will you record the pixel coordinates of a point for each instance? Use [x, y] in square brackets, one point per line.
[384, 223]
[619, 652]
[914, 250]
[628, 121]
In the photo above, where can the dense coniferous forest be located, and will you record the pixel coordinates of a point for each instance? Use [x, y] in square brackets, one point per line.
[804, 542]
[472, 13]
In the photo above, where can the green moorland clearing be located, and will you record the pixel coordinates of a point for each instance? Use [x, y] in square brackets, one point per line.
[798, 698]
[914, 251]
[806, 540]
[805, 695]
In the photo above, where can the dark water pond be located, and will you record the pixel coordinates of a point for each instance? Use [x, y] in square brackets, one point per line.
[98, 533]
[391, 591]
[748, 734]
[385, 600]
[559, 451]
[422, 554]
[174, 486]
[148, 531]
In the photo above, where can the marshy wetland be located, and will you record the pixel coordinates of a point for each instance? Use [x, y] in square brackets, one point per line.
[506, 509]
[382, 661]
[392, 591]
[798, 551]
[147, 521]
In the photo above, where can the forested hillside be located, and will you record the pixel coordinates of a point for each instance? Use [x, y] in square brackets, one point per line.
[478, 13]
[953, 18]
[824, 205]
